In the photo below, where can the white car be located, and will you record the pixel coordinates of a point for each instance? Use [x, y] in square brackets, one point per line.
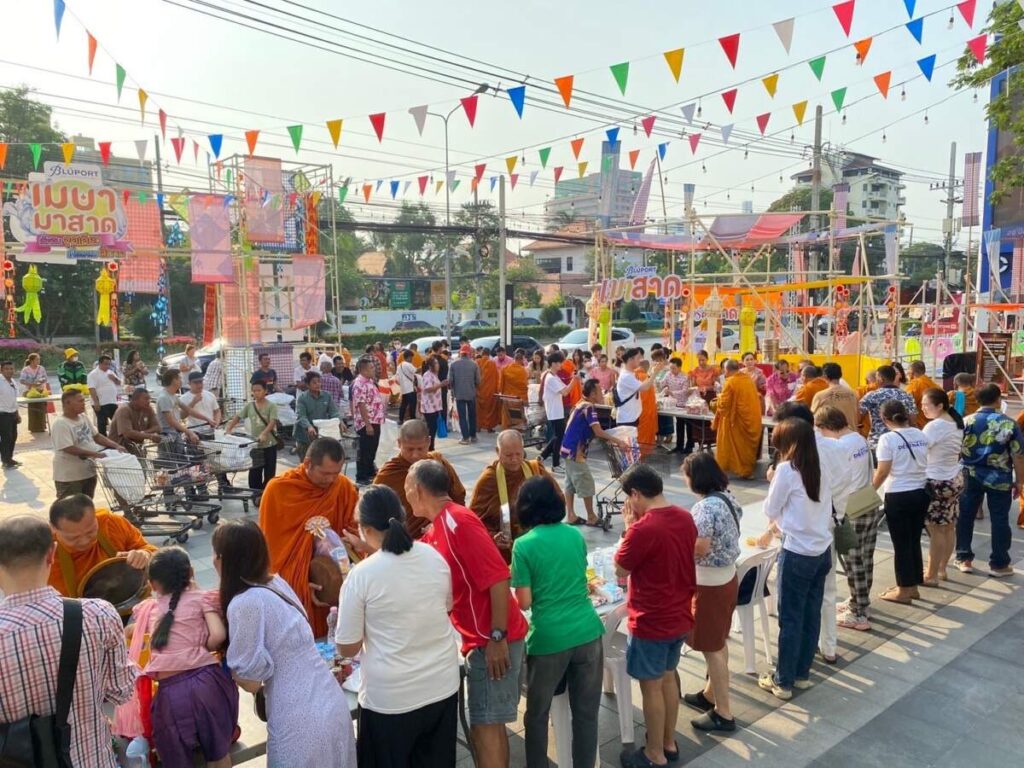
[423, 343]
[579, 339]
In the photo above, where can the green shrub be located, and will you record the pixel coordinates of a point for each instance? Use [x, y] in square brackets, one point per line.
[550, 315]
[630, 311]
[142, 325]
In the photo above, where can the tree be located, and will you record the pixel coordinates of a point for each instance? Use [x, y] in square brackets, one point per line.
[349, 246]
[550, 314]
[66, 301]
[1004, 111]
[560, 220]
[523, 277]
[630, 311]
[26, 121]
[480, 250]
[412, 253]
[799, 199]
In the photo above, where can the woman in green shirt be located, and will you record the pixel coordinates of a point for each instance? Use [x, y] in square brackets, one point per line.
[549, 574]
[262, 418]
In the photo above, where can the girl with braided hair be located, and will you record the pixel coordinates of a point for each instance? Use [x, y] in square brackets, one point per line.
[196, 705]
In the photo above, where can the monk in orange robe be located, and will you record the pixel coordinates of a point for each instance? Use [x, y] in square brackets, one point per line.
[964, 383]
[919, 383]
[513, 381]
[486, 393]
[647, 425]
[811, 383]
[737, 423]
[314, 488]
[87, 536]
[871, 384]
[413, 446]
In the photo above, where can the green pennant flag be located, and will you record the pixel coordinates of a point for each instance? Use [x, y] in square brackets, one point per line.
[37, 151]
[230, 177]
[606, 162]
[342, 194]
[818, 67]
[621, 74]
[455, 184]
[838, 97]
[296, 133]
[143, 197]
[544, 153]
[119, 75]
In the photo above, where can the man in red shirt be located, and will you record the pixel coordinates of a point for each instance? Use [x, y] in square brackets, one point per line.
[484, 611]
[657, 554]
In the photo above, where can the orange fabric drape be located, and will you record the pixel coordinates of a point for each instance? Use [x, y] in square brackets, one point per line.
[805, 392]
[737, 426]
[647, 426]
[513, 381]
[486, 402]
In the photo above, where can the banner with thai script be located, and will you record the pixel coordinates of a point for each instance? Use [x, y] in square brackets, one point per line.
[210, 231]
[264, 214]
[309, 299]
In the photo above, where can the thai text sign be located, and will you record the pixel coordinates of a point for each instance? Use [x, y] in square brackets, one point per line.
[638, 284]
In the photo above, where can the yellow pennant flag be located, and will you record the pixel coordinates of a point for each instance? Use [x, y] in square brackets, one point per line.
[334, 128]
[510, 162]
[674, 59]
[437, 186]
[143, 98]
[771, 84]
[799, 110]
[69, 152]
[583, 169]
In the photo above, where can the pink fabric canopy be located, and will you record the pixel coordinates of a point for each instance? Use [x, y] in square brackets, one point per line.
[734, 232]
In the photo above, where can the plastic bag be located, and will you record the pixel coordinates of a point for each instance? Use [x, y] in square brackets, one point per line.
[286, 416]
[123, 474]
[328, 428]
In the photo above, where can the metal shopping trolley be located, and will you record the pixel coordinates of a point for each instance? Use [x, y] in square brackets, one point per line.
[529, 419]
[225, 456]
[610, 498]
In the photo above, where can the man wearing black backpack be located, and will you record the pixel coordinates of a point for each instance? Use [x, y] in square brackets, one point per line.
[626, 392]
[60, 660]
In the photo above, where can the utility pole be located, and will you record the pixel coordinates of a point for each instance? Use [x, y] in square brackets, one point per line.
[947, 223]
[505, 314]
[477, 261]
[815, 254]
[163, 235]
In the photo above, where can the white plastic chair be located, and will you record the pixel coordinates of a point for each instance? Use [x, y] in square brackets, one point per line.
[616, 679]
[763, 562]
[561, 724]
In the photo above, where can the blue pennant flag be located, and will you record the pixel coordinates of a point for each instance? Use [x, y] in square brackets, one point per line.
[518, 97]
[159, 200]
[916, 28]
[613, 136]
[911, 4]
[394, 189]
[662, 149]
[216, 141]
[58, 15]
[494, 180]
[927, 65]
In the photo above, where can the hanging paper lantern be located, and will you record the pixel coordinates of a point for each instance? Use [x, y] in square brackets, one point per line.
[8, 278]
[31, 284]
[105, 288]
[112, 270]
[748, 319]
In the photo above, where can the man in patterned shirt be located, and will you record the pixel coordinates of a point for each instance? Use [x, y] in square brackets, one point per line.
[31, 619]
[367, 416]
[993, 455]
[872, 402]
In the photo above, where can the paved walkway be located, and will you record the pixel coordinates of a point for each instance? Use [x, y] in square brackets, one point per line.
[938, 683]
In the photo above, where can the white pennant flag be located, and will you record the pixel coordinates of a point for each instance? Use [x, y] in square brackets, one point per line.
[451, 178]
[406, 188]
[726, 133]
[784, 29]
[420, 116]
[533, 177]
[140, 147]
[688, 112]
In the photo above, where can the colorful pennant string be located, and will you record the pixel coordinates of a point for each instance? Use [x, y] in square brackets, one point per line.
[674, 59]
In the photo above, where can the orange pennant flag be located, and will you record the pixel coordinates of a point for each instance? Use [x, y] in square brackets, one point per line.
[674, 59]
[3, 154]
[510, 162]
[862, 47]
[633, 155]
[334, 128]
[92, 51]
[583, 168]
[799, 110]
[882, 81]
[771, 84]
[68, 148]
[564, 85]
[143, 98]
[577, 145]
[367, 189]
[250, 139]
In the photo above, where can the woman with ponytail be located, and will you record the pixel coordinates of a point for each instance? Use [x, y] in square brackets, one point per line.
[196, 705]
[394, 608]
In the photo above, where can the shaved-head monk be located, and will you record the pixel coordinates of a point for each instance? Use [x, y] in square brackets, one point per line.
[314, 488]
[737, 422]
[514, 381]
[487, 413]
[414, 445]
[499, 484]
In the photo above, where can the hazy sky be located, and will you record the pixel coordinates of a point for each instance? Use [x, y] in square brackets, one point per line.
[247, 79]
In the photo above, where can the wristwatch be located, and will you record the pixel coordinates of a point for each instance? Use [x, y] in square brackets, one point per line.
[498, 635]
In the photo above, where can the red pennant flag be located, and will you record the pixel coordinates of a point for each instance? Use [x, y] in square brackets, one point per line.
[92, 51]
[558, 173]
[577, 145]
[694, 141]
[480, 171]
[105, 152]
[882, 81]
[977, 46]
[729, 97]
[564, 85]
[163, 124]
[422, 180]
[469, 104]
[648, 124]
[473, 184]
[250, 139]
[633, 155]
[731, 46]
[762, 122]
[125, 194]
[3, 155]
[844, 12]
[966, 9]
[178, 142]
[195, 152]
[377, 121]
[513, 178]
[367, 189]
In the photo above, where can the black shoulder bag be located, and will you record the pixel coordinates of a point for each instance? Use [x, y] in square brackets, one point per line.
[44, 741]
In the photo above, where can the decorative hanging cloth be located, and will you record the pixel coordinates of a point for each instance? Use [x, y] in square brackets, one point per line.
[105, 285]
[8, 282]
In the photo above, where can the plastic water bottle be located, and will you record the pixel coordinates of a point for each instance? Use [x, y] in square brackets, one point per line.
[138, 753]
[506, 522]
[332, 623]
[340, 555]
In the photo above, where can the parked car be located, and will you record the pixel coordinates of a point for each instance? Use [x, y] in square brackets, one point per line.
[653, 318]
[579, 339]
[203, 356]
[415, 325]
[526, 343]
[467, 325]
[526, 320]
[423, 343]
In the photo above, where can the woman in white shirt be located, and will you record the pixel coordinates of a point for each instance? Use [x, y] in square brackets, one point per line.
[394, 607]
[799, 509]
[902, 455]
[945, 433]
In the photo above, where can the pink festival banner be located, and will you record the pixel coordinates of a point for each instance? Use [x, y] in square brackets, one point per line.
[210, 231]
[140, 270]
[310, 296]
[264, 220]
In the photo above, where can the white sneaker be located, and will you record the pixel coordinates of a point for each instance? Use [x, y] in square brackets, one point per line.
[802, 685]
[842, 607]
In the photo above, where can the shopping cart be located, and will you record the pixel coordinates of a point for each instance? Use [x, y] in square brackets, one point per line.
[529, 419]
[610, 498]
[224, 456]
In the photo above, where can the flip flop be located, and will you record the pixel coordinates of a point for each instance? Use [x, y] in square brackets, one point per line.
[595, 524]
[891, 595]
[577, 521]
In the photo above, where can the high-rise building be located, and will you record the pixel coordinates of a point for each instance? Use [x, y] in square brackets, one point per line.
[120, 171]
[605, 197]
[876, 191]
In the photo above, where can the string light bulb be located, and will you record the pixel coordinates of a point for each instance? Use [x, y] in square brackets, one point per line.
[700, 109]
[926, 118]
[634, 127]
[883, 137]
[780, 178]
[746, 153]
[792, 137]
[975, 99]
[843, 121]
[903, 93]
[703, 167]
[728, 196]
[951, 21]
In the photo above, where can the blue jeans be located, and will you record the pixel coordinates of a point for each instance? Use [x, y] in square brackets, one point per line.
[801, 588]
[999, 514]
[467, 418]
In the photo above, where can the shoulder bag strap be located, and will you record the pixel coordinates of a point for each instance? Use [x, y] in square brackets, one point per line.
[283, 597]
[728, 504]
[67, 670]
[906, 443]
[265, 422]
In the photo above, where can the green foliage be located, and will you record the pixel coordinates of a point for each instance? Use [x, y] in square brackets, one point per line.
[523, 277]
[550, 314]
[800, 199]
[1004, 112]
[630, 311]
[187, 299]
[22, 121]
[560, 220]
[142, 325]
[67, 300]
[411, 253]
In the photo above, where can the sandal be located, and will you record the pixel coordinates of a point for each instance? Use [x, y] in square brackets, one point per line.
[892, 595]
[577, 521]
[929, 582]
[593, 524]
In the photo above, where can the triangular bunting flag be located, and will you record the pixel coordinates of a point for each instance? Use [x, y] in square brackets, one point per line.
[216, 141]
[844, 12]
[882, 82]
[513, 178]
[817, 67]
[633, 155]
[510, 162]
[195, 151]
[105, 152]
[771, 84]
[927, 66]
[613, 136]
[3, 155]
[517, 96]
[163, 124]
[694, 141]
[437, 186]
[295, 131]
[862, 47]
[178, 142]
[731, 47]
[379, 182]
[784, 29]
[494, 181]
[342, 194]
[558, 173]
[544, 153]
[68, 148]
[729, 97]
[455, 185]
[334, 128]
[662, 149]
[533, 176]
[582, 168]
[799, 110]
[621, 74]
[58, 15]
[91, 42]
[251, 137]
[394, 189]
[577, 145]
[405, 187]
[119, 75]
[674, 59]
[762, 122]
[838, 97]
[140, 149]
[564, 85]
[473, 184]
[916, 28]
[648, 125]
[469, 105]
[726, 133]
[910, 5]
[450, 177]
[367, 189]
[419, 114]
[143, 98]
[977, 46]
[688, 112]
[966, 9]
[479, 169]
[422, 181]
[377, 121]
